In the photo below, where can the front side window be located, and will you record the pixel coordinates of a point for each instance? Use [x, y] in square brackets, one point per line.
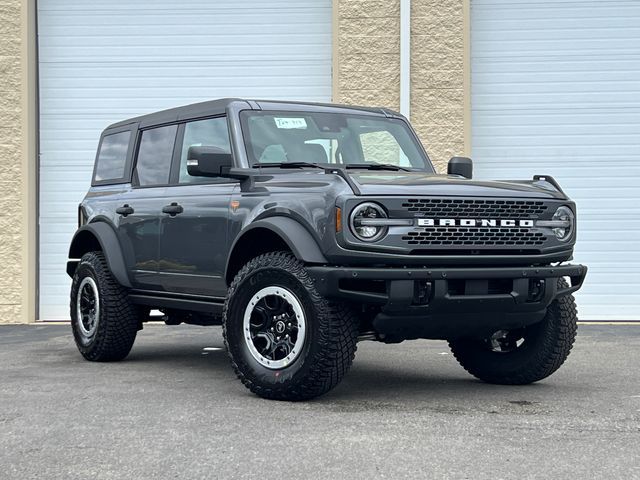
[154, 156]
[330, 138]
[112, 157]
[212, 132]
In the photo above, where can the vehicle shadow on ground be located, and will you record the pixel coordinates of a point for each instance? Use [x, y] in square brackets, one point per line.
[371, 381]
[366, 382]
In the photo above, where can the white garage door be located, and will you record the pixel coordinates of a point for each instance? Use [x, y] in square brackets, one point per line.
[103, 61]
[556, 90]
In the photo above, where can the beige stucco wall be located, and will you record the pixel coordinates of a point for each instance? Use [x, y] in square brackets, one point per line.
[367, 66]
[367, 52]
[437, 77]
[17, 278]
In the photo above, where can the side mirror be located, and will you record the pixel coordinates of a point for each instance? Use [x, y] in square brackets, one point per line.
[462, 166]
[208, 161]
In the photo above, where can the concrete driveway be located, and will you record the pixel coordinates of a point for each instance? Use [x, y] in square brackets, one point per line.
[174, 410]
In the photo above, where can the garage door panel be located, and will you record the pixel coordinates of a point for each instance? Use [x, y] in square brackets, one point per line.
[557, 101]
[578, 11]
[103, 61]
[595, 125]
[554, 67]
[555, 91]
[543, 150]
[589, 29]
[206, 40]
[556, 79]
[190, 77]
[164, 30]
[567, 138]
[526, 47]
[146, 53]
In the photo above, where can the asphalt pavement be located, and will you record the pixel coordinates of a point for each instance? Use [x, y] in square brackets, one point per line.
[174, 409]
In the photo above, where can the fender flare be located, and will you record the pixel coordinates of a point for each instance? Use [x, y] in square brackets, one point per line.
[108, 240]
[297, 237]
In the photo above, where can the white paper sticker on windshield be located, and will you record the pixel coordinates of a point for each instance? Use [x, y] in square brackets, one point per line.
[290, 122]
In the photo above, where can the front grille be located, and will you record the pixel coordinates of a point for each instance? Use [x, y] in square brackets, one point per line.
[475, 236]
[471, 208]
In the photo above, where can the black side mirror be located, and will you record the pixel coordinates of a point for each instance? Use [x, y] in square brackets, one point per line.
[208, 161]
[462, 166]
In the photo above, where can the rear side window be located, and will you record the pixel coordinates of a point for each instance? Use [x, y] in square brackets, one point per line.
[154, 156]
[112, 157]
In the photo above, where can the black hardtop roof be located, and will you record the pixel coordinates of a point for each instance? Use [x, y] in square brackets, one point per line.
[217, 107]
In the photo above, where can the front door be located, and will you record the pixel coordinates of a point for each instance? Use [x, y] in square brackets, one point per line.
[194, 243]
[194, 240]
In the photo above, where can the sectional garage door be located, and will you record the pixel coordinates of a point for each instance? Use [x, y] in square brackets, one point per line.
[556, 90]
[102, 61]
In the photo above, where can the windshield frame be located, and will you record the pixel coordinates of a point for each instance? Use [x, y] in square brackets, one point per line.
[245, 114]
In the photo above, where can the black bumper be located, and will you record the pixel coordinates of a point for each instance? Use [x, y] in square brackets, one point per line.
[449, 302]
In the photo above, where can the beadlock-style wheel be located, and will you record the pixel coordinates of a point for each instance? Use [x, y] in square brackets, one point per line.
[88, 307]
[286, 341]
[103, 319]
[274, 327]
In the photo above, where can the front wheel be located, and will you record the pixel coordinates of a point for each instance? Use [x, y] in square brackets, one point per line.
[285, 340]
[525, 355]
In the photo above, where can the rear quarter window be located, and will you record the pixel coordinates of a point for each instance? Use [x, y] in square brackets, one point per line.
[112, 157]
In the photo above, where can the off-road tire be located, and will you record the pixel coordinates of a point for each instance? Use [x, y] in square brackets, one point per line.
[118, 319]
[547, 346]
[331, 332]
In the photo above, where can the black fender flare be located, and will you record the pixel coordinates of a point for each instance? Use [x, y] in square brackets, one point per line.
[295, 235]
[109, 244]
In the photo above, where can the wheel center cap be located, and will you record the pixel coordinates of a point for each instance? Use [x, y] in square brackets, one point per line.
[280, 326]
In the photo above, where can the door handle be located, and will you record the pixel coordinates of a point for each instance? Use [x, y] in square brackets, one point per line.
[173, 209]
[124, 210]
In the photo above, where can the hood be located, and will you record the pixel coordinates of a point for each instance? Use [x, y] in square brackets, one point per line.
[419, 183]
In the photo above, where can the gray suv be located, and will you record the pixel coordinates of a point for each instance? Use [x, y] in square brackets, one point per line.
[303, 228]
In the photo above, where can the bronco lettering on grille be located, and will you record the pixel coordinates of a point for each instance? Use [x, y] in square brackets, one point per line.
[472, 222]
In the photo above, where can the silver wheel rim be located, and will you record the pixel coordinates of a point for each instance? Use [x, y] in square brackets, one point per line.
[88, 307]
[274, 327]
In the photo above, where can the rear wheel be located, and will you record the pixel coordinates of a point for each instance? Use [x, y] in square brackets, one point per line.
[524, 355]
[285, 341]
[103, 320]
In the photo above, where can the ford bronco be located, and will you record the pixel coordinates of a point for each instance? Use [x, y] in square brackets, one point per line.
[303, 228]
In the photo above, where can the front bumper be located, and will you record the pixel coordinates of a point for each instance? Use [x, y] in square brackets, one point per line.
[449, 302]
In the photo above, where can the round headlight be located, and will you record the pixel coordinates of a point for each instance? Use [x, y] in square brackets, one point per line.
[568, 219]
[361, 220]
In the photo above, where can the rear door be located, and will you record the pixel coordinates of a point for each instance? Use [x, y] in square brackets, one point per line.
[194, 241]
[140, 209]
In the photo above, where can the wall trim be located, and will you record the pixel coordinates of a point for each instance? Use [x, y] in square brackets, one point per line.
[405, 58]
[335, 60]
[466, 71]
[29, 159]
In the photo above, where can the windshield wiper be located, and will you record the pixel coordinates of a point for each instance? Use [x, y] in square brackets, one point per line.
[378, 166]
[287, 165]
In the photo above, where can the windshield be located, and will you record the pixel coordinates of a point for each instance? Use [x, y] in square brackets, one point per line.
[330, 138]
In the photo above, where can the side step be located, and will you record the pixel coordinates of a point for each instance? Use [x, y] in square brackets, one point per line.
[194, 303]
